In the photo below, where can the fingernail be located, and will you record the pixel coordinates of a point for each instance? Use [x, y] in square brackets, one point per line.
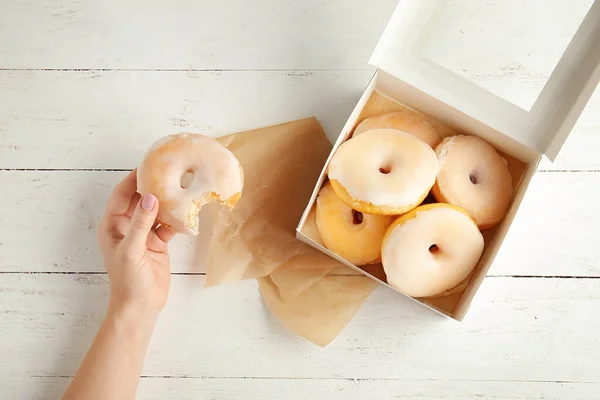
[148, 201]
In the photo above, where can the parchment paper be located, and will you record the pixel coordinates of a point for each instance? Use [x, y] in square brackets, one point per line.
[448, 301]
[320, 313]
[310, 293]
[281, 165]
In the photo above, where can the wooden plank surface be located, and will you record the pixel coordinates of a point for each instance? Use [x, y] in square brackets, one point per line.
[50, 218]
[527, 38]
[87, 85]
[190, 34]
[508, 47]
[107, 119]
[519, 330]
[181, 388]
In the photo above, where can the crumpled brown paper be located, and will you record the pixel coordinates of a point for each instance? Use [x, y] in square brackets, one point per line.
[322, 311]
[310, 293]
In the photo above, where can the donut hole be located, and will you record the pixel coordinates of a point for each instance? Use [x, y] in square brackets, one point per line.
[434, 249]
[386, 169]
[186, 179]
[474, 178]
[357, 217]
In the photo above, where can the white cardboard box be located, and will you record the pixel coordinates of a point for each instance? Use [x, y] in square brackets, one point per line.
[406, 78]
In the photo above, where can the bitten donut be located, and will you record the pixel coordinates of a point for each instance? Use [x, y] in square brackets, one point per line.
[352, 235]
[474, 177]
[383, 171]
[186, 171]
[431, 249]
[407, 121]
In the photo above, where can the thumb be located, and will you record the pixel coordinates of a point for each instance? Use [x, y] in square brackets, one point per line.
[142, 222]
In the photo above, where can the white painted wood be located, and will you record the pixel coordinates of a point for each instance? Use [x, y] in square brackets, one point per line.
[558, 106]
[331, 389]
[502, 45]
[189, 34]
[274, 61]
[507, 40]
[553, 233]
[524, 330]
[49, 222]
[106, 119]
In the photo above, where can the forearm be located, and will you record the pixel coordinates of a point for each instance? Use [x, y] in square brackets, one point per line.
[112, 367]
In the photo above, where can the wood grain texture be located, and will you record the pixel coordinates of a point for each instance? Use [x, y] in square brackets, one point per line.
[57, 119]
[181, 388]
[107, 119]
[89, 84]
[508, 47]
[50, 218]
[519, 330]
[53, 218]
[191, 34]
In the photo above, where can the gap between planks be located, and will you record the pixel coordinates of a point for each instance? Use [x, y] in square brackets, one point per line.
[129, 169]
[292, 378]
[187, 69]
[353, 275]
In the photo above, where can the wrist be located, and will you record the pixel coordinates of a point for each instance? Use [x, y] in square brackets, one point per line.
[133, 315]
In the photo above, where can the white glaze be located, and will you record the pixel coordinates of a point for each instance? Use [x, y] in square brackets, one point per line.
[488, 200]
[413, 168]
[215, 170]
[408, 121]
[413, 269]
[527, 318]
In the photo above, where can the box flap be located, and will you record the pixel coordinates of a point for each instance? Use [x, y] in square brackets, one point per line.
[543, 128]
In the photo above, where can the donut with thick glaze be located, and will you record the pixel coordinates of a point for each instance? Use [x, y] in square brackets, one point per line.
[475, 177]
[408, 121]
[383, 171]
[186, 171]
[431, 249]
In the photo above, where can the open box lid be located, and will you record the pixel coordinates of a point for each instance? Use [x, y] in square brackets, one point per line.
[545, 127]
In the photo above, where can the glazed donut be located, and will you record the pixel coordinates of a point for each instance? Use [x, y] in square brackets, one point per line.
[383, 171]
[354, 236]
[456, 289]
[186, 171]
[407, 121]
[474, 177]
[431, 249]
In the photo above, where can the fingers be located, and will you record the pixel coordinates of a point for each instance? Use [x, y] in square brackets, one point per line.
[115, 227]
[135, 199]
[119, 200]
[165, 233]
[142, 222]
[159, 238]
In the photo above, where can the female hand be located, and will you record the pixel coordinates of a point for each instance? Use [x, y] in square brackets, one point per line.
[137, 262]
[135, 251]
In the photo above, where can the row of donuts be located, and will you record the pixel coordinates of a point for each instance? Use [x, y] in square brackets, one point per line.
[371, 210]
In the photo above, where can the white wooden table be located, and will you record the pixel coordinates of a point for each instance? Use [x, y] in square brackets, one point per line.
[87, 85]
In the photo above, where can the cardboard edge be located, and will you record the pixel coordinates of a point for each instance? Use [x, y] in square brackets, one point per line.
[409, 17]
[492, 251]
[423, 102]
[525, 154]
[544, 127]
[570, 86]
[343, 136]
[317, 246]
